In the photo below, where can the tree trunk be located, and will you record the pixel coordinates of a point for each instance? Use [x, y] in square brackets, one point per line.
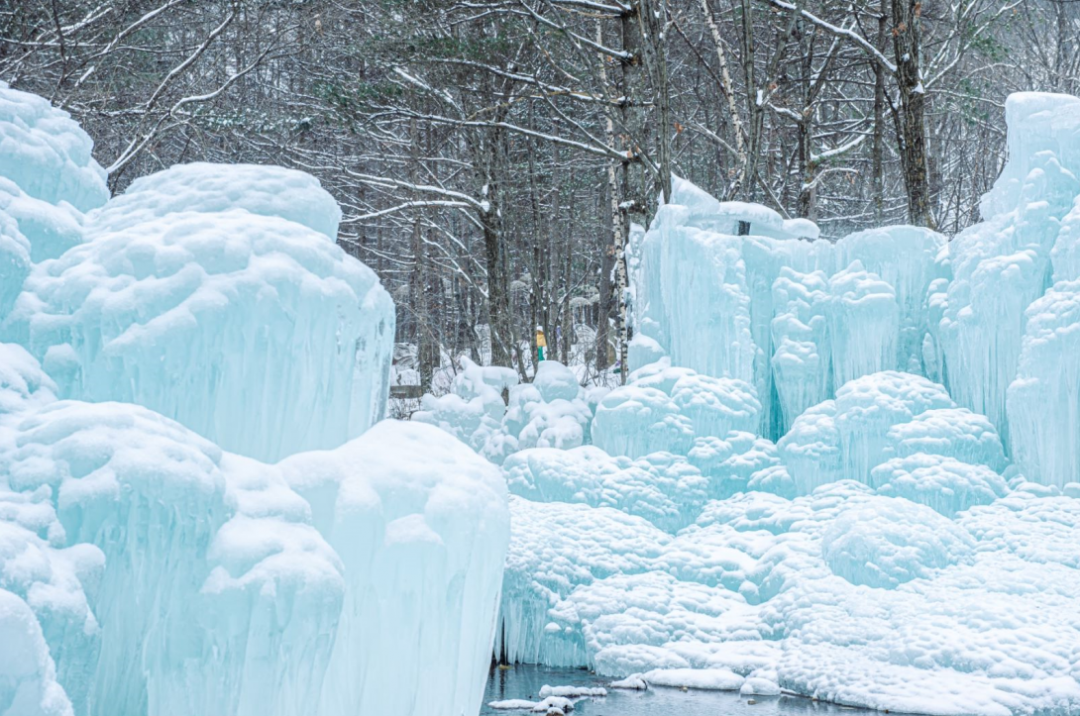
[652, 17]
[418, 289]
[906, 44]
[498, 292]
[877, 172]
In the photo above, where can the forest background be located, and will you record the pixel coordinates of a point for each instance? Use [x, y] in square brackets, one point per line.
[491, 156]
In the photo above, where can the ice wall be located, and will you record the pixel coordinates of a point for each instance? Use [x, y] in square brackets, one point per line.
[917, 518]
[999, 267]
[793, 316]
[216, 295]
[147, 571]
[421, 524]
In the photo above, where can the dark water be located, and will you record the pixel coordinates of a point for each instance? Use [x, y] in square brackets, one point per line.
[524, 682]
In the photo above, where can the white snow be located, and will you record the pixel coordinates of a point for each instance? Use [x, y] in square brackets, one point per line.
[572, 691]
[552, 411]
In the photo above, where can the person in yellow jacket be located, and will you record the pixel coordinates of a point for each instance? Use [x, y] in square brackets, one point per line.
[541, 344]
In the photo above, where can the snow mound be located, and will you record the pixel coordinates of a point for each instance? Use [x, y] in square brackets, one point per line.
[942, 483]
[663, 488]
[737, 462]
[550, 705]
[110, 471]
[47, 179]
[848, 436]
[665, 409]
[634, 682]
[491, 412]
[164, 572]
[23, 385]
[28, 684]
[203, 188]
[885, 542]
[53, 582]
[554, 547]
[950, 432]
[49, 229]
[709, 679]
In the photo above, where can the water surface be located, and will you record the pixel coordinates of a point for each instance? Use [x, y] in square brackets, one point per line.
[524, 682]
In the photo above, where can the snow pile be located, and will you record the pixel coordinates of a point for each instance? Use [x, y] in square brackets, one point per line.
[215, 308]
[489, 410]
[550, 705]
[554, 700]
[204, 188]
[666, 409]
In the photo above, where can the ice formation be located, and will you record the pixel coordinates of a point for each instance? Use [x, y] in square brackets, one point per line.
[849, 470]
[794, 318]
[422, 529]
[1000, 268]
[218, 315]
[909, 542]
[489, 410]
[47, 180]
[170, 577]
[156, 559]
